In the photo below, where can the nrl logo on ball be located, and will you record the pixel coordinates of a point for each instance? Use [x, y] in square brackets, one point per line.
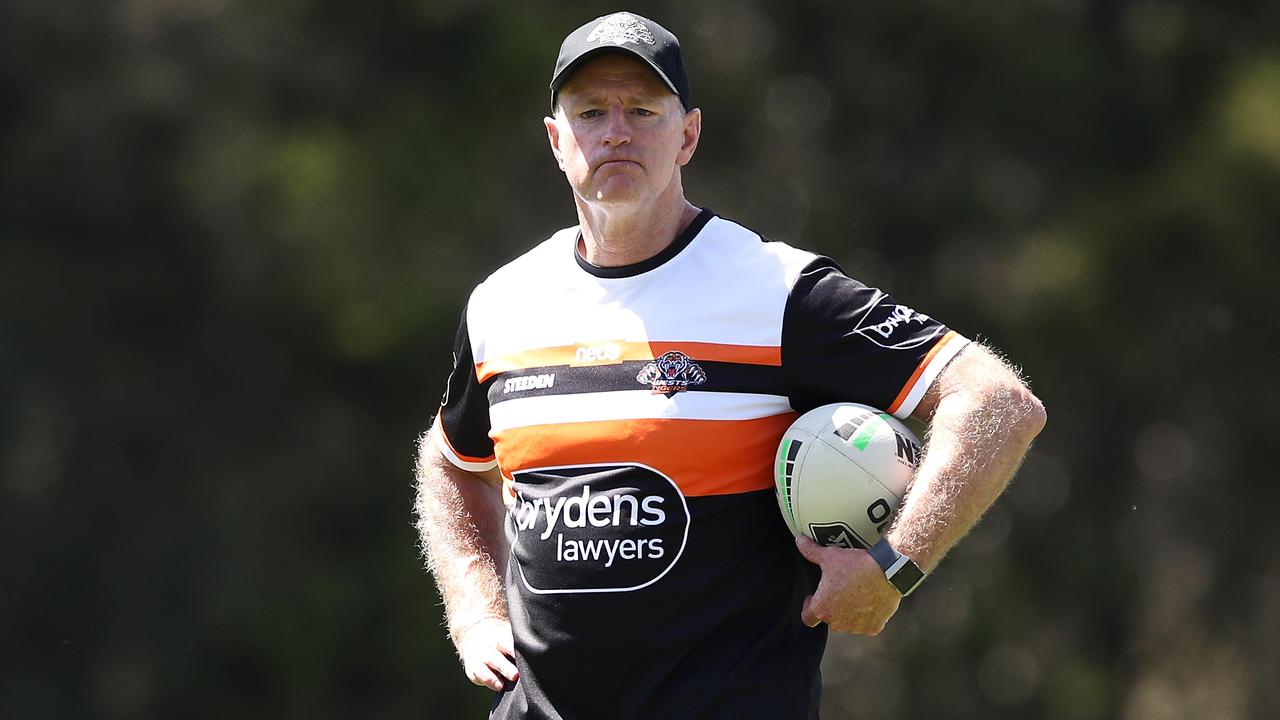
[672, 373]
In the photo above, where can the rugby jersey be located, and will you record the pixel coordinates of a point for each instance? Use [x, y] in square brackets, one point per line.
[634, 413]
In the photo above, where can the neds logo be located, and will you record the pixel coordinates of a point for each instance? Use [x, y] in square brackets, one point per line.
[596, 528]
[608, 353]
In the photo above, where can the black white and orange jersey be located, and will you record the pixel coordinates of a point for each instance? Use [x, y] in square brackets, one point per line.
[634, 413]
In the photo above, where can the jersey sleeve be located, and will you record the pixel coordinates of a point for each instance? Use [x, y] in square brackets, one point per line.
[843, 341]
[463, 420]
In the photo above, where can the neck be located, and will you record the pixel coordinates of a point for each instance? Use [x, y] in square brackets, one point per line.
[614, 236]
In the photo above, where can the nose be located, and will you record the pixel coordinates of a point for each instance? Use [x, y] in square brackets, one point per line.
[616, 132]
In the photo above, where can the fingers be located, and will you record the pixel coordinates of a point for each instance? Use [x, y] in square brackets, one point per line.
[504, 641]
[492, 669]
[807, 614]
[814, 613]
[852, 595]
[487, 650]
[506, 650]
[505, 667]
[811, 550]
[878, 626]
[481, 674]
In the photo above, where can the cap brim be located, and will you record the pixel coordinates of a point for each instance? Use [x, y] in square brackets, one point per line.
[561, 77]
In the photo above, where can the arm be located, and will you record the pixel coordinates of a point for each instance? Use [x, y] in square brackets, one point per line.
[459, 521]
[982, 419]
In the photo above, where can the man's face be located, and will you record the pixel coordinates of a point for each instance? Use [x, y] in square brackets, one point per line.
[619, 133]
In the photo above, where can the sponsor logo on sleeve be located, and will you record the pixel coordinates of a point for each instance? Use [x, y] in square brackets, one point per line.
[896, 327]
[605, 353]
[596, 528]
[672, 373]
[448, 383]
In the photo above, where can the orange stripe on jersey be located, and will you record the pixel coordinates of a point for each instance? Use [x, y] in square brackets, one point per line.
[720, 352]
[465, 458]
[915, 376]
[703, 457]
[614, 352]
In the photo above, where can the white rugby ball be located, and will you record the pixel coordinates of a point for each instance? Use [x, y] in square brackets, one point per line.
[841, 471]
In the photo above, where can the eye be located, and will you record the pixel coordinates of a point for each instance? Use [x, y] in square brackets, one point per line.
[592, 113]
[643, 112]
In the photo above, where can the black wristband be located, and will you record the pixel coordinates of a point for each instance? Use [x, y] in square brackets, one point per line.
[900, 570]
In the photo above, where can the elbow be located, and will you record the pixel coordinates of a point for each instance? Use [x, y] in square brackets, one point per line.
[982, 384]
[1029, 412]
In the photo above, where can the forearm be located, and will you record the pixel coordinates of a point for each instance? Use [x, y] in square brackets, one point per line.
[983, 421]
[459, 521]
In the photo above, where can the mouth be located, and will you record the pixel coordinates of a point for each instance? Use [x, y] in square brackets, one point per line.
[617, 162]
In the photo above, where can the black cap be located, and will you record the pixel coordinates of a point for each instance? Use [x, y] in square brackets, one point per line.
[626, 32]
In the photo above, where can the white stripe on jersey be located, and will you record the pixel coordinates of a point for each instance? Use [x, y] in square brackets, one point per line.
[939, 361]
[631, 405]
[573, 307]
[452, 456]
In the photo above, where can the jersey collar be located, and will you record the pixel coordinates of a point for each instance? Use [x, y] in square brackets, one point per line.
[623, 271]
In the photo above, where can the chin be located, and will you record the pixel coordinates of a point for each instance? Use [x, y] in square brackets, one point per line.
[618, 199]
[617, 196]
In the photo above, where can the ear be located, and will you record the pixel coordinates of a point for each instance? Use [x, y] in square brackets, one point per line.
[553, 137]
[692, 131]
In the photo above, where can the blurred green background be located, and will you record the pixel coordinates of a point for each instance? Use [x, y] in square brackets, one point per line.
[235, 239]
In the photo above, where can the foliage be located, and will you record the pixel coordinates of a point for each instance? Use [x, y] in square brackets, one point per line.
[235, 239]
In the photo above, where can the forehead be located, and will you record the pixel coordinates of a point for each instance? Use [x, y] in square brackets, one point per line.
[612, 72]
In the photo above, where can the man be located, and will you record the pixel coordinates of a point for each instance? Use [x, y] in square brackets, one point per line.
[617, 397]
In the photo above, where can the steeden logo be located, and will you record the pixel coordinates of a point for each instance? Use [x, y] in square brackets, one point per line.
[672, 373]
[529, 382]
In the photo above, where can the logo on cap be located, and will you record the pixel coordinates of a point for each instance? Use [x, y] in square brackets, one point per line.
[621, 28]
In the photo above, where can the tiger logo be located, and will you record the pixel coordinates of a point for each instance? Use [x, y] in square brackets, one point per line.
[672, 373]
[620, 29]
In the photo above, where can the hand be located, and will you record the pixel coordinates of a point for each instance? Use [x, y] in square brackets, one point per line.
[853, 595]
[486, 649]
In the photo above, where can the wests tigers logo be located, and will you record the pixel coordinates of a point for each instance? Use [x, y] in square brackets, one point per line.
[672, 373]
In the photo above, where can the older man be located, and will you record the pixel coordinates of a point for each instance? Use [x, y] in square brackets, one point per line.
[617, 397]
